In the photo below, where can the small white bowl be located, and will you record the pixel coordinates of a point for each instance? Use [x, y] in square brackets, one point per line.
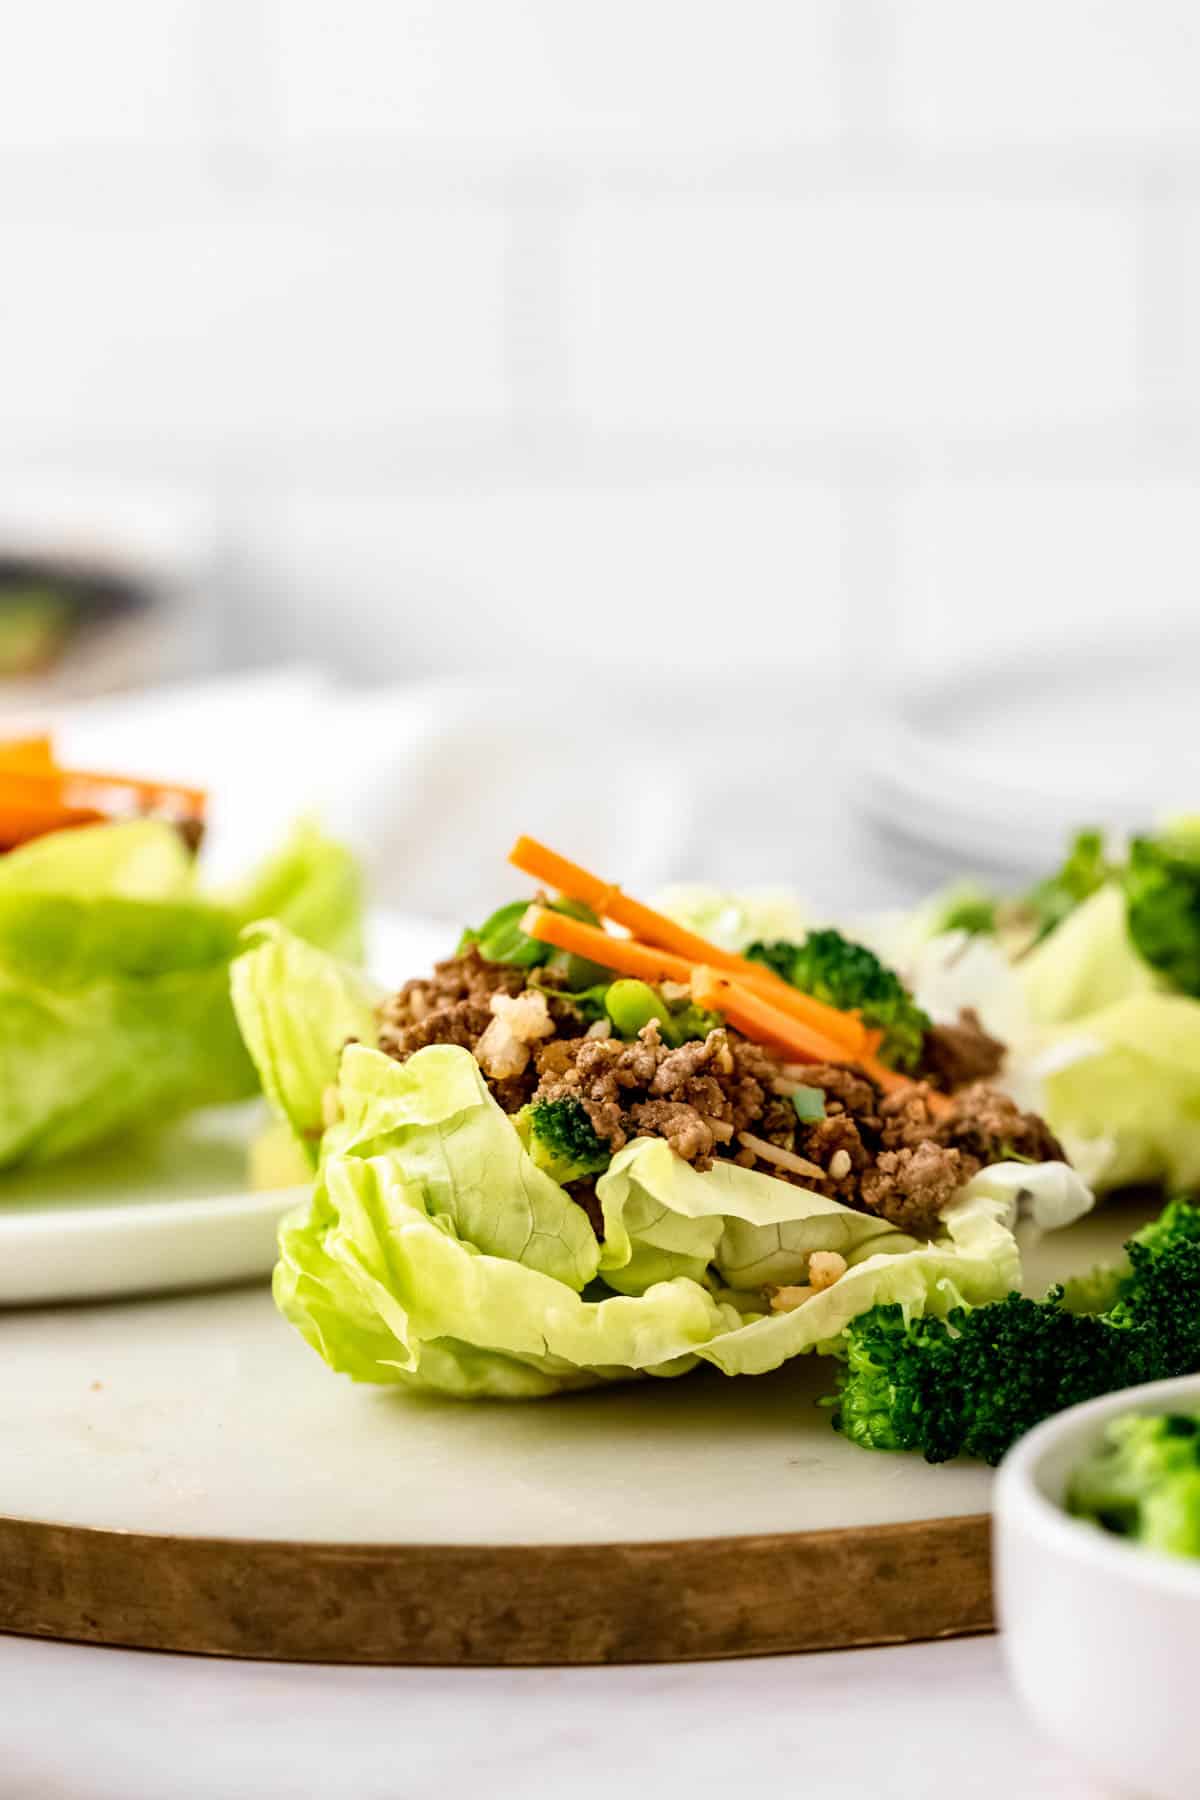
[1102, 1636]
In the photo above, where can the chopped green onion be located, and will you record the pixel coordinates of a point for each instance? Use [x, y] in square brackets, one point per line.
[809, 1104]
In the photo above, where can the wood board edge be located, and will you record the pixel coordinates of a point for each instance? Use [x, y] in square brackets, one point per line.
[479, 1605]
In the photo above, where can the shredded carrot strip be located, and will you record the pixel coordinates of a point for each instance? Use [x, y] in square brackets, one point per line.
[844, 1029]
[651, 927]
[759, 1019]
[625, 956]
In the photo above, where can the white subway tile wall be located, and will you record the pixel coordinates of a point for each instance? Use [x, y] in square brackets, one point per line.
[477, 324]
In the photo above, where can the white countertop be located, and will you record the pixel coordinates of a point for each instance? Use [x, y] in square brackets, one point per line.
[924, 1719]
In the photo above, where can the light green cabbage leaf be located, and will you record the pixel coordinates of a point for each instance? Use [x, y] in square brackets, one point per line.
[1127, 1079]
[311, 884]
[115, 1011]
[435, 1254]
[664, 1218]
[734, 920]
[1086, 964]
[138, 859]
[297, 1007]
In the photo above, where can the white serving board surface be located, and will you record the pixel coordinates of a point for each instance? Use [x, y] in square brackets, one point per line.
[206, 1415]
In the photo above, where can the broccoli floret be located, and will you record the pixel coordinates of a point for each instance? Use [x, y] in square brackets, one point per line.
[1162, 898]
[1085, 869]
[562, 1140]
[1143, 1481]
[848, 975]
[972, 1383]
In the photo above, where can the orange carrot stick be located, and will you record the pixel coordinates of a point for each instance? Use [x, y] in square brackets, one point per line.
[845, 1029]
[74, 790]
[651, 927]
[757, 1018]
[623, 955]
[606, 898]
[27, 753]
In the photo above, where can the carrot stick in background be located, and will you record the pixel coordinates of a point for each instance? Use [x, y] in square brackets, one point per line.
[27, 753]
[651, 927]
[36, 797]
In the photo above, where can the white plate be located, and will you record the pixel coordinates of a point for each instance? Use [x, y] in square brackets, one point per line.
[172, 1210]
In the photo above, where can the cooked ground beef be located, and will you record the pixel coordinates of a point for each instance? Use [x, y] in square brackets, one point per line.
[957, 1054]
[453, 1006]
[910, 1187]
[697, 1096]
[894, 1154]
[990, 1126]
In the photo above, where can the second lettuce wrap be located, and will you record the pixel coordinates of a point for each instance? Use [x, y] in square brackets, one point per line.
[114, 977]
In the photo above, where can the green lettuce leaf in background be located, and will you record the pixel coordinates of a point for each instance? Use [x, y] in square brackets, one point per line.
[115, 1010]
[312, 885]
[734, 920]
[140, 859]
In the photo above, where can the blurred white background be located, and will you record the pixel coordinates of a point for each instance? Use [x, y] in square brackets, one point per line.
[493, 330]
[790, 340]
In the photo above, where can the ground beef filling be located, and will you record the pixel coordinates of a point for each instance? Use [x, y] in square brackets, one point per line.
[722, 1096]
[954, 1055]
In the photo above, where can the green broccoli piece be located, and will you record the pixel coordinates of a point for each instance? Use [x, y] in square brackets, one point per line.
[1162, 898]
[1084, 870]
[562, 1140]
[847, 975]
[972, 1383]
[1143, 1481]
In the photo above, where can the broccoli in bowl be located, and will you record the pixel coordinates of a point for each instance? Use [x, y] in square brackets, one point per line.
[1142, 1481]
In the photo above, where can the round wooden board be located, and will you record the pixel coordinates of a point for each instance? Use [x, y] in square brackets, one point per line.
[183, 1474]
[439, 1604]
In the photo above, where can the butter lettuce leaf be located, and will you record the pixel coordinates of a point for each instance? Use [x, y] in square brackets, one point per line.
[1087, 964]
[435, 1254]
[113, 1013]
[297, 1008]
[139, 859]
[311, 884]
[1127, 1079]
[663, 1218]
[115, 1010]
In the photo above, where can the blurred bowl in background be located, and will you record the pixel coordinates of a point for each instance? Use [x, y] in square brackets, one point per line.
[102, 590]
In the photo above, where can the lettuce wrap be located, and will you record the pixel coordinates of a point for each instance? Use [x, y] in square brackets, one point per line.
[114, 977]
[435, 1253]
